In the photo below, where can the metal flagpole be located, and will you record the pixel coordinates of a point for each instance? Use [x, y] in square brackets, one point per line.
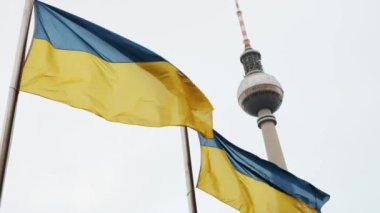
[13, 92]
[188, 171]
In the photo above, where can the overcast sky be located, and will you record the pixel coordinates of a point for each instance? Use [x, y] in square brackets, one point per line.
[325, 53]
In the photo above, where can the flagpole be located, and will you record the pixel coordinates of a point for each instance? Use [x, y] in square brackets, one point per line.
[13, 92]
[188, 171]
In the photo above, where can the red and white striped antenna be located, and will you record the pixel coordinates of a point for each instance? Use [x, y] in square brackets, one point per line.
[242, 26]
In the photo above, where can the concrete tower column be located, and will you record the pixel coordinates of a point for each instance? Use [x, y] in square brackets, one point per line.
[267, 123]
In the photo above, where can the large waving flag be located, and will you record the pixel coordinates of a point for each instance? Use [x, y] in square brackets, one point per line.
[252, 185]
[76, 62]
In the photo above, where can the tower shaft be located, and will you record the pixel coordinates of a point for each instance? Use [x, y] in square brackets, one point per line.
[267, 123]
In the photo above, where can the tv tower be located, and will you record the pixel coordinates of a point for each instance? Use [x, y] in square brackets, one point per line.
[260, 95]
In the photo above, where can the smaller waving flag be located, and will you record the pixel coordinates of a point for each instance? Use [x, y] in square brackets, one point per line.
[253, 185]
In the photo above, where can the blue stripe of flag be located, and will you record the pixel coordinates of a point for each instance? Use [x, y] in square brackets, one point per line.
[69, 32]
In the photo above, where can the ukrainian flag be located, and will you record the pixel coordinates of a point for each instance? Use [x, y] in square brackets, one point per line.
[76, 62]
[252, 185]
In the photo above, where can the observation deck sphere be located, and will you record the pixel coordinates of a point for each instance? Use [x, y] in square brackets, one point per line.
[259, 90]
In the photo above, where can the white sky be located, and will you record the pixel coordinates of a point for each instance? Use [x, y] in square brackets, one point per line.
[324, 53]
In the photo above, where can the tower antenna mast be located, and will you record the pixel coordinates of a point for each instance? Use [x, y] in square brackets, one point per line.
[239, 13]
[246, 41]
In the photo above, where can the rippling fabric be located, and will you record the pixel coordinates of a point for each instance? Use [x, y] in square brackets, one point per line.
[86, 66]
[252, 185]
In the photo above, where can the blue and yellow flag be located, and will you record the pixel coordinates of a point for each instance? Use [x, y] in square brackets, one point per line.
[76, 62]
[252, 185]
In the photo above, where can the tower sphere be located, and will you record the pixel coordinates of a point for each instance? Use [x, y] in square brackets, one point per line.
[258, 90]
